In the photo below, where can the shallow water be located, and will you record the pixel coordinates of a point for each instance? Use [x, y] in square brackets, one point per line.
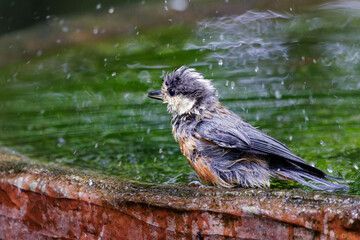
[293, 74]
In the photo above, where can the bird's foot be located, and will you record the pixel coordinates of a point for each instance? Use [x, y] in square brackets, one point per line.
[198, 184]
[195, 183]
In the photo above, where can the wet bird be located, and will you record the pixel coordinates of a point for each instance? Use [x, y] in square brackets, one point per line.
[223, 149]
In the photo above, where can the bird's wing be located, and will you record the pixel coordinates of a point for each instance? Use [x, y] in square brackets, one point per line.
[244, 137]
[266, 144]
[226, 137]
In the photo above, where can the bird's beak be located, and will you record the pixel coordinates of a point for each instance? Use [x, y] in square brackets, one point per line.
[155, 95]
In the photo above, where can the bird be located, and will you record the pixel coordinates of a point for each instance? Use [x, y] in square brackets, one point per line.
[223, 149]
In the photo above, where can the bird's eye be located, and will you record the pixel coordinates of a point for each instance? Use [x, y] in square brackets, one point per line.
[171, 92]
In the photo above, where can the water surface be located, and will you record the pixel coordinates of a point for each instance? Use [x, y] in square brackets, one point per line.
[293, 74]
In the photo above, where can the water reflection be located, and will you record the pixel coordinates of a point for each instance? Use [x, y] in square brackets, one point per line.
[294, 74]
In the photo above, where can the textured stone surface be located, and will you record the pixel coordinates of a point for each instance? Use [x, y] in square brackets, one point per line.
[38, 202]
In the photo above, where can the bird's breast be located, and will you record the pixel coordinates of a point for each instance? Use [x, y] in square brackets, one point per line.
[188, 147]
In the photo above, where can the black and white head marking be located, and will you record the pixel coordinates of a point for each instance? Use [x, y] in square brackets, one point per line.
[186, 91]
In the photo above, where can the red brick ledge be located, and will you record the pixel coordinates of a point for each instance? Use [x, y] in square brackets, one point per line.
[38, 202]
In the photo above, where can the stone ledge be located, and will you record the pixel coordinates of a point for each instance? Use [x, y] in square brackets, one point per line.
[39, 201]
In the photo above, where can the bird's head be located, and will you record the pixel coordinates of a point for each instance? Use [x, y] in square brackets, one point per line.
[186, 92]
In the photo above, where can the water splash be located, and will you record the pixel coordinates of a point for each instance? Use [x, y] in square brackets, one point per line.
[245, 39]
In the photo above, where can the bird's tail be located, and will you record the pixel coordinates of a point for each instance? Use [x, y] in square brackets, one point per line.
[310, 180]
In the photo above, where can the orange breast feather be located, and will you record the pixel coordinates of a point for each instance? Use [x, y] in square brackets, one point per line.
[187, 147]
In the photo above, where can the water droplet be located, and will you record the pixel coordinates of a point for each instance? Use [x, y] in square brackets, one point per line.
[227, 83]
[290, 138]
[166, 8]
[277, 94]
[144, 76]
[65, 29]
[232, 85]
[111, 10]
[113, 74]
[95, 31]
[322, 143]
[256, 69]
[179, 5]
[330, 170]
[98, 6]
[96, 145]
[220, 62]
[356, 166]
[221, 37]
